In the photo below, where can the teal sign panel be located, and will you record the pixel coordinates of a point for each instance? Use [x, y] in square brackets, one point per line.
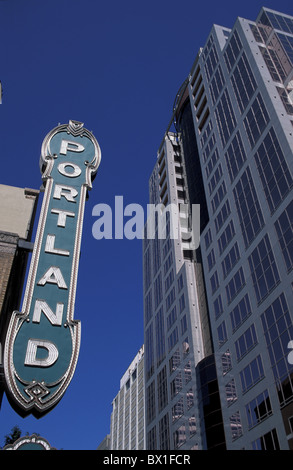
[42, 343]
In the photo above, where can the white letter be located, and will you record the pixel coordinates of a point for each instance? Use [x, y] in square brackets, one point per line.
[31, 353]
[64, 147]
[107, 223]
[139, 223]
[62, 216]
[161, 222]
[54, 318]
[62, 169]
[118, 217]
[69, 196]
[49, 248]
[53, 276]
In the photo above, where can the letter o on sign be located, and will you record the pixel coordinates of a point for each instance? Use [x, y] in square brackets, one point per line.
[72, 173]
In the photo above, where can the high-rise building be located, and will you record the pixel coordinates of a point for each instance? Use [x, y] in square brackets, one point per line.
[127, 418]
[17, 213]
[218, 320]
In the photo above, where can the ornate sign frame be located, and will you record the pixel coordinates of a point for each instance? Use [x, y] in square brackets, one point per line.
[43, 340]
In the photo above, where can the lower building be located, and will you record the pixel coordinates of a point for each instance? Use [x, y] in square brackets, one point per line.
[127, 431]
[17, 214]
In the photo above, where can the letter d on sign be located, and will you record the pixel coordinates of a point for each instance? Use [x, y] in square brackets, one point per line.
[31, 353]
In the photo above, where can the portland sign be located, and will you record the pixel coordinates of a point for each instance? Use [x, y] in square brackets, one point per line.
[43, 339]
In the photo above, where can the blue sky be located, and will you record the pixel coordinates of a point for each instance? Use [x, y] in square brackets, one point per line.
[116, 66]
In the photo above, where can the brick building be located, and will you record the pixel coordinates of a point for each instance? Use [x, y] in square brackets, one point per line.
[17, 213]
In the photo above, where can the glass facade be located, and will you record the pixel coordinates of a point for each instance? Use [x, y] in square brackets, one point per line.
[218, 320]
[240, 90]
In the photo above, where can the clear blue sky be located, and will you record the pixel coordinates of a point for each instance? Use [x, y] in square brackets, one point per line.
[116, 66]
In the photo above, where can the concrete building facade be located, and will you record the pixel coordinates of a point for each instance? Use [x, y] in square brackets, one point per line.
[17, 213]
[127, 428]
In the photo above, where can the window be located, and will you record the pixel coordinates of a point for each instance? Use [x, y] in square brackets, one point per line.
[233, 49]
[158, 290]
[263, 269]
[211, 259]
[273, 170]
[226, 362]
[192, 425]
[277, 21]
[150, 402]
[240, 313]
[168, 264]
[214, 280]
[183, 324]
[256, 120]
[235, 156]
[152, 439]
[268, 441]
[164, 438]
[185, 347]
[218, 307]
[190, 398]
[219, 196]
[231, 395]
[170, 298]
[149, 353]
[217, 84]
[235, 425]
[176, 385]
[181, 303]
[278, 331]
[211, 162]
[222, 334]
[248, 208]
[243, 82]
[180, 283]
[174, 361]
[162, 389]
[284, 229]
[160, 336]
[258, 409]
[211, 62]
[179, 436]
[230, 260]
[215, 178]
[178, 409]
[251, 374]
[225, 118]
[226, 237]
[208, 238]
[169, 280]
[148, 307]
[245, 342]
[171, 318]
[187, 372]
[173, 338]
[222, 215]
[235, 285]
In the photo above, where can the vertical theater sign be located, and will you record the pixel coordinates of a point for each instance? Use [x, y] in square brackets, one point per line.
[42, 342]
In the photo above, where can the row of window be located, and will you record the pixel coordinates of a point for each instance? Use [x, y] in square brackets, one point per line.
[155, 342]
[184, 432]
[262, 264]
[278, 331]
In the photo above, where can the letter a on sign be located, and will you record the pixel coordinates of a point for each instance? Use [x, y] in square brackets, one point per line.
[43, 339]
